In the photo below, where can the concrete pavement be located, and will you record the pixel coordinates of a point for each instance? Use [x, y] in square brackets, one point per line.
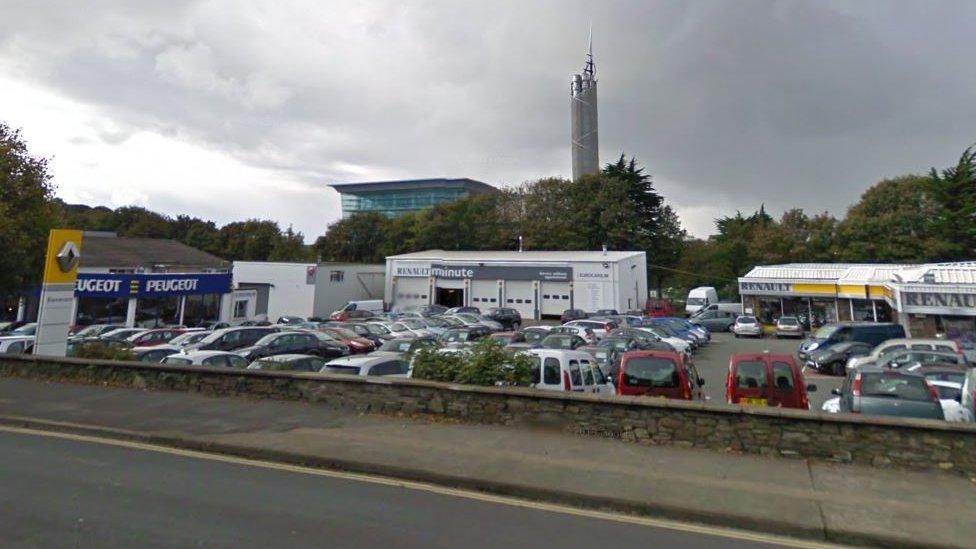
[69, 493]
[839, 502]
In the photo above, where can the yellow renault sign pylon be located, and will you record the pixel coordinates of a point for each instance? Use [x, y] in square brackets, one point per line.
[57, 292]
[63, 255]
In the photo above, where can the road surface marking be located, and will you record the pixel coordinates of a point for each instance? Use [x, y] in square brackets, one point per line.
[716, 531]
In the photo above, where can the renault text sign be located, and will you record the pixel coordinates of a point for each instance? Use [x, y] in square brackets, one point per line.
[764, 288]
[938, 302]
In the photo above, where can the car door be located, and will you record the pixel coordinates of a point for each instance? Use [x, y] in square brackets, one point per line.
[575, 376]
[750, 380]
[219, 361]
[784, 388]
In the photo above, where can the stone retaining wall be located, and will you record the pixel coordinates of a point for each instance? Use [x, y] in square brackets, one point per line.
[915, 444]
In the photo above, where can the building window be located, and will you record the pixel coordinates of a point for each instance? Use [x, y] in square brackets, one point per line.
[240, 309]
[336, 276]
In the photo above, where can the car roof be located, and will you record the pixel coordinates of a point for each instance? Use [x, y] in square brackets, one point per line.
[886, 371]
[362, 360]
[286, 358]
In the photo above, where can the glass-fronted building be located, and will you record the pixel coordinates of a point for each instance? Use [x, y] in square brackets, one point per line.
[394, 198]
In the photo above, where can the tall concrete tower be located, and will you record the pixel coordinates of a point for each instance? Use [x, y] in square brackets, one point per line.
[586, 144]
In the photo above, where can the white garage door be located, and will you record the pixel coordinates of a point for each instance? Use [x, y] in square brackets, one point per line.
[520, 296]
[484, 294]
[411, 291]
[554, 297]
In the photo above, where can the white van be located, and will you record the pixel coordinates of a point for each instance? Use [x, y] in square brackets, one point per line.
[733, 307]
[570, 371]
[700, 297]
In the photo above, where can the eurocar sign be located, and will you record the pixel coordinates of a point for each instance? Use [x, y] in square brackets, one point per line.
[110, 285]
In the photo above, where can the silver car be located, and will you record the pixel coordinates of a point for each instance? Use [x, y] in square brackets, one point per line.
[747, 326]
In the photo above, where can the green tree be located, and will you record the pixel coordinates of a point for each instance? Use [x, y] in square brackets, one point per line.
[291, 247]
[954, 190]
[895, 220]
[251, 240]
[358, 238]
[27, 213]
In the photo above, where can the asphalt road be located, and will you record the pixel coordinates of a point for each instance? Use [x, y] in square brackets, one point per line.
[60, 492]
[713, 364]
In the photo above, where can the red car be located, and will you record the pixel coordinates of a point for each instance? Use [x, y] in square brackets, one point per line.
[765, 379]
[157, 336]
[357, 344]
[656, 308]
[658, 373]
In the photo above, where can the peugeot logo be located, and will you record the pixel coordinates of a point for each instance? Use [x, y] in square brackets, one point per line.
[68, 257]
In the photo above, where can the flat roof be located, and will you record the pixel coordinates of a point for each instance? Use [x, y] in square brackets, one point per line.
[962, 272]
[514, 256]
[415, 184]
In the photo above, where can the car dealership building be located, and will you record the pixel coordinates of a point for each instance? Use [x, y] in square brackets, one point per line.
[537, 283]
[928, 300]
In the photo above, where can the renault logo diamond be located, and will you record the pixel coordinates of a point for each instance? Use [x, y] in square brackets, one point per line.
[68, 257]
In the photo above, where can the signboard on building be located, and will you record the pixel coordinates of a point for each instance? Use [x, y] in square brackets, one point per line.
[483, 272]
[764, 288]
[956, 303]
[109, 285]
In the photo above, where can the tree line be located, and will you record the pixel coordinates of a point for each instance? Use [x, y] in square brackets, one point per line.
[913, 218]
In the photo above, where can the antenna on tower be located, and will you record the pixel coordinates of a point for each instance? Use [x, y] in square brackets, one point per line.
[589, 70]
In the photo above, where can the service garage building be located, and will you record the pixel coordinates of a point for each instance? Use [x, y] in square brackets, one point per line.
[538, 284]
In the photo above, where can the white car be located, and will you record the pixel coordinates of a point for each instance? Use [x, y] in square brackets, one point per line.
[570, 371]
[17, 344]
[585, 333]
[409, 327]
[831, 405]
[948, 393]
[679, 345]
[747, 325]
[898, 345]
[600, 328]
[368, 365]
[215, 359]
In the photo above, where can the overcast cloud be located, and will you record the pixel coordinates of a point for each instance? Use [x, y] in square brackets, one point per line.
[236, 109]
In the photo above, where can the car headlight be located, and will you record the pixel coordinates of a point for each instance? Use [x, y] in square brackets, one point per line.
[813, 346]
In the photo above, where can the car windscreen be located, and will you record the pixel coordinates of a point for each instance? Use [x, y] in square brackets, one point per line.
[750, 374]
[948, 392]
[893, 386]
[746, 320]
[354, 370]
[27, 329]
[396, 345]
[696, 301]
[651, 372]
[788, 321]
[534, 336]
[825, 332]
[558, 341]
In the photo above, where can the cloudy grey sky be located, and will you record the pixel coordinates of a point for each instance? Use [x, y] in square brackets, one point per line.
[234, 109]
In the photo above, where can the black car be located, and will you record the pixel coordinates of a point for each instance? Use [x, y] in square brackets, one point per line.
[572, 314]
[833, 358]
[509, 318]
[289, 343]
[230, 339]
[562, 341]
[151, 354]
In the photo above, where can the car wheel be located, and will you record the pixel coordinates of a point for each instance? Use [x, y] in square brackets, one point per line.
[729, 328]
[839, 369]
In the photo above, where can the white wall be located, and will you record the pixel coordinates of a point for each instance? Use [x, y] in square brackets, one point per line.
[289, 293]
